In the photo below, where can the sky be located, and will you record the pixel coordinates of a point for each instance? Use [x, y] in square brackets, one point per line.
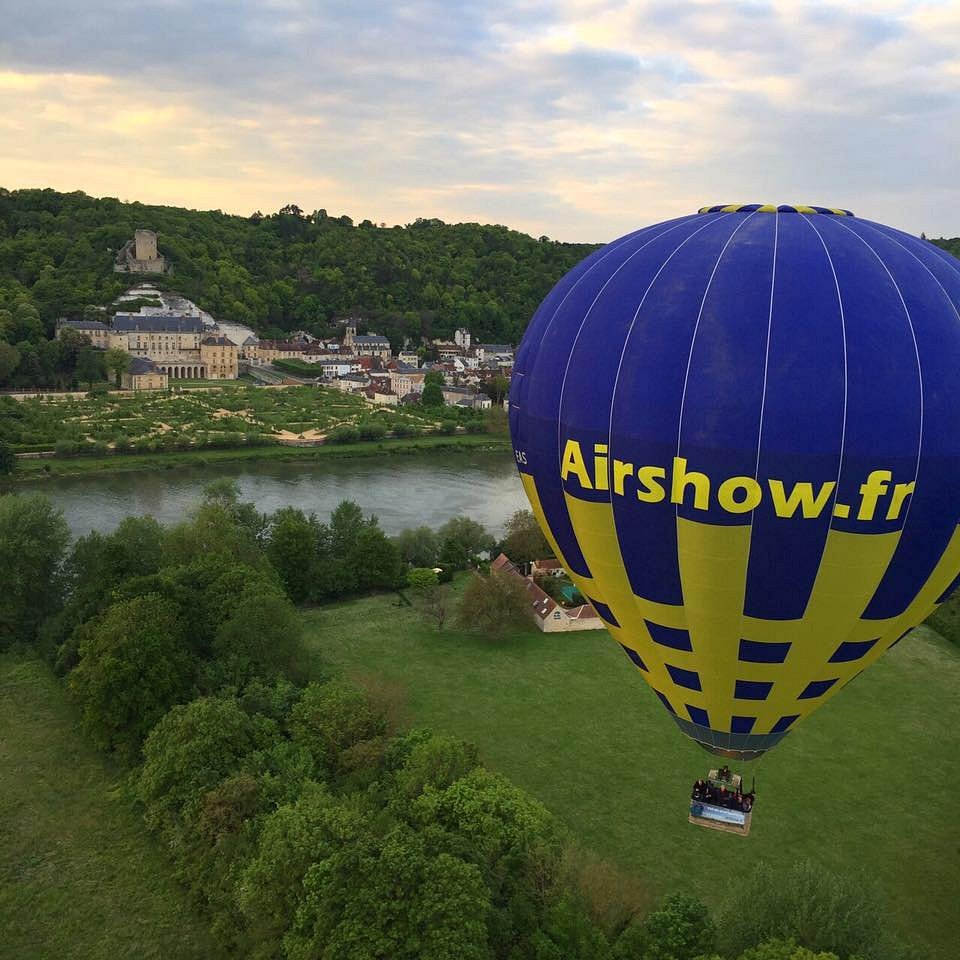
[576, 119]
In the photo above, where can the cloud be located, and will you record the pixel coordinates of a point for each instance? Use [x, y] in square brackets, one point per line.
[579, 119]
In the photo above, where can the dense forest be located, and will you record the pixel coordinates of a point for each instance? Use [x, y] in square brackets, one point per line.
[283, 271]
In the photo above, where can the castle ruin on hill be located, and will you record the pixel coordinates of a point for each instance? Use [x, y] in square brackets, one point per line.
[140, 255]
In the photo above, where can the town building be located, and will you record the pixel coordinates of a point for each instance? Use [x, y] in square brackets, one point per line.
[219, 358]
[462, 338]
[101, 336]
[406, 380]
[181, 346]
[550, 616]
[501, 353]
[369, 345]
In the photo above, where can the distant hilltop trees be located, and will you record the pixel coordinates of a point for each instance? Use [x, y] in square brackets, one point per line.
[289, 270]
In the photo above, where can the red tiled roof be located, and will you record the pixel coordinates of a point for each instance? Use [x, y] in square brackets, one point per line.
[543, 605]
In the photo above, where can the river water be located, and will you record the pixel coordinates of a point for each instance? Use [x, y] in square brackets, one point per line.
[403, 491]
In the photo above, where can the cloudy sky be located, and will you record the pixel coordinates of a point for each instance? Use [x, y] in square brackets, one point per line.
[579, 119]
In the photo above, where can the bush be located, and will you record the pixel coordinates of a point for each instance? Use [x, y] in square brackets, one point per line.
[66, 448]
[371, 430]
[495, 605]
[447, 427]
[822, 911]
[344, 434]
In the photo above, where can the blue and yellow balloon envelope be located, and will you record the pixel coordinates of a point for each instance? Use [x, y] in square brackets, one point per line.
[740, 431]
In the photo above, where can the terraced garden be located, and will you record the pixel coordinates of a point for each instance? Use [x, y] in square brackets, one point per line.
[226, 416]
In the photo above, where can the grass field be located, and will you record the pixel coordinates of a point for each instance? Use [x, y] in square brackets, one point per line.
[866, 784]
[33, 469]
[79, 876]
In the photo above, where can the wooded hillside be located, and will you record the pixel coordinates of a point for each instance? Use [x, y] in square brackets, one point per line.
[282, 271]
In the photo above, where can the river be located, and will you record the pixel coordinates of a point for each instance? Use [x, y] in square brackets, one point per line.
[403, 491]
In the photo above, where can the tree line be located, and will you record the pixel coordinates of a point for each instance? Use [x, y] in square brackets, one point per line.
[304, 818]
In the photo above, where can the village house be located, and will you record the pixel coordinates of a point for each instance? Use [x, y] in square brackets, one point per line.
[550, 616]
[465, 396]
[143, 374]
[380, 394]
[351, 382]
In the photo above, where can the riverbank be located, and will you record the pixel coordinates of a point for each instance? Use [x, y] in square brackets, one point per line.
[40, 467]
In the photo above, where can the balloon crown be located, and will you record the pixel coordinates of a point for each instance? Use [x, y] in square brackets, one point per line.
[773, 208]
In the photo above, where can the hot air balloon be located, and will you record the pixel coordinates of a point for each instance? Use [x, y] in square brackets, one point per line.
[740, 432]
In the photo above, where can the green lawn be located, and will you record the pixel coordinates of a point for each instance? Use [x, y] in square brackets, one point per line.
[32, 469]
[79, 876]
[869, 783]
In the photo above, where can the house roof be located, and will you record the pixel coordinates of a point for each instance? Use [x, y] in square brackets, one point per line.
[217, 342]
[495, 347]
[371, 340]
[141, 365]
[84, 324]
[543, 604]
[157, 323]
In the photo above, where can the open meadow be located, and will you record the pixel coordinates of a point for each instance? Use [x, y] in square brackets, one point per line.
[79, 876]
[866, 786]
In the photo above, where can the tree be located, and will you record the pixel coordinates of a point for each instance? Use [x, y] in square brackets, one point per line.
[117, 361]
[429, 595]
[292, 544]
[524, 540]
[518, 845]
[495, 605]
[415, 903]
[134, 665]
[294, 836]
[90, 366]
[461, 540]
[9, 360]
[435, 763]
[681, 929]
[262, 637]
[193, 747]
[418, 547]
[8, 459]
[821, 910]
[432, 395]
[375, 560]
[33, 537]
[330, 718]
[496, 388]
